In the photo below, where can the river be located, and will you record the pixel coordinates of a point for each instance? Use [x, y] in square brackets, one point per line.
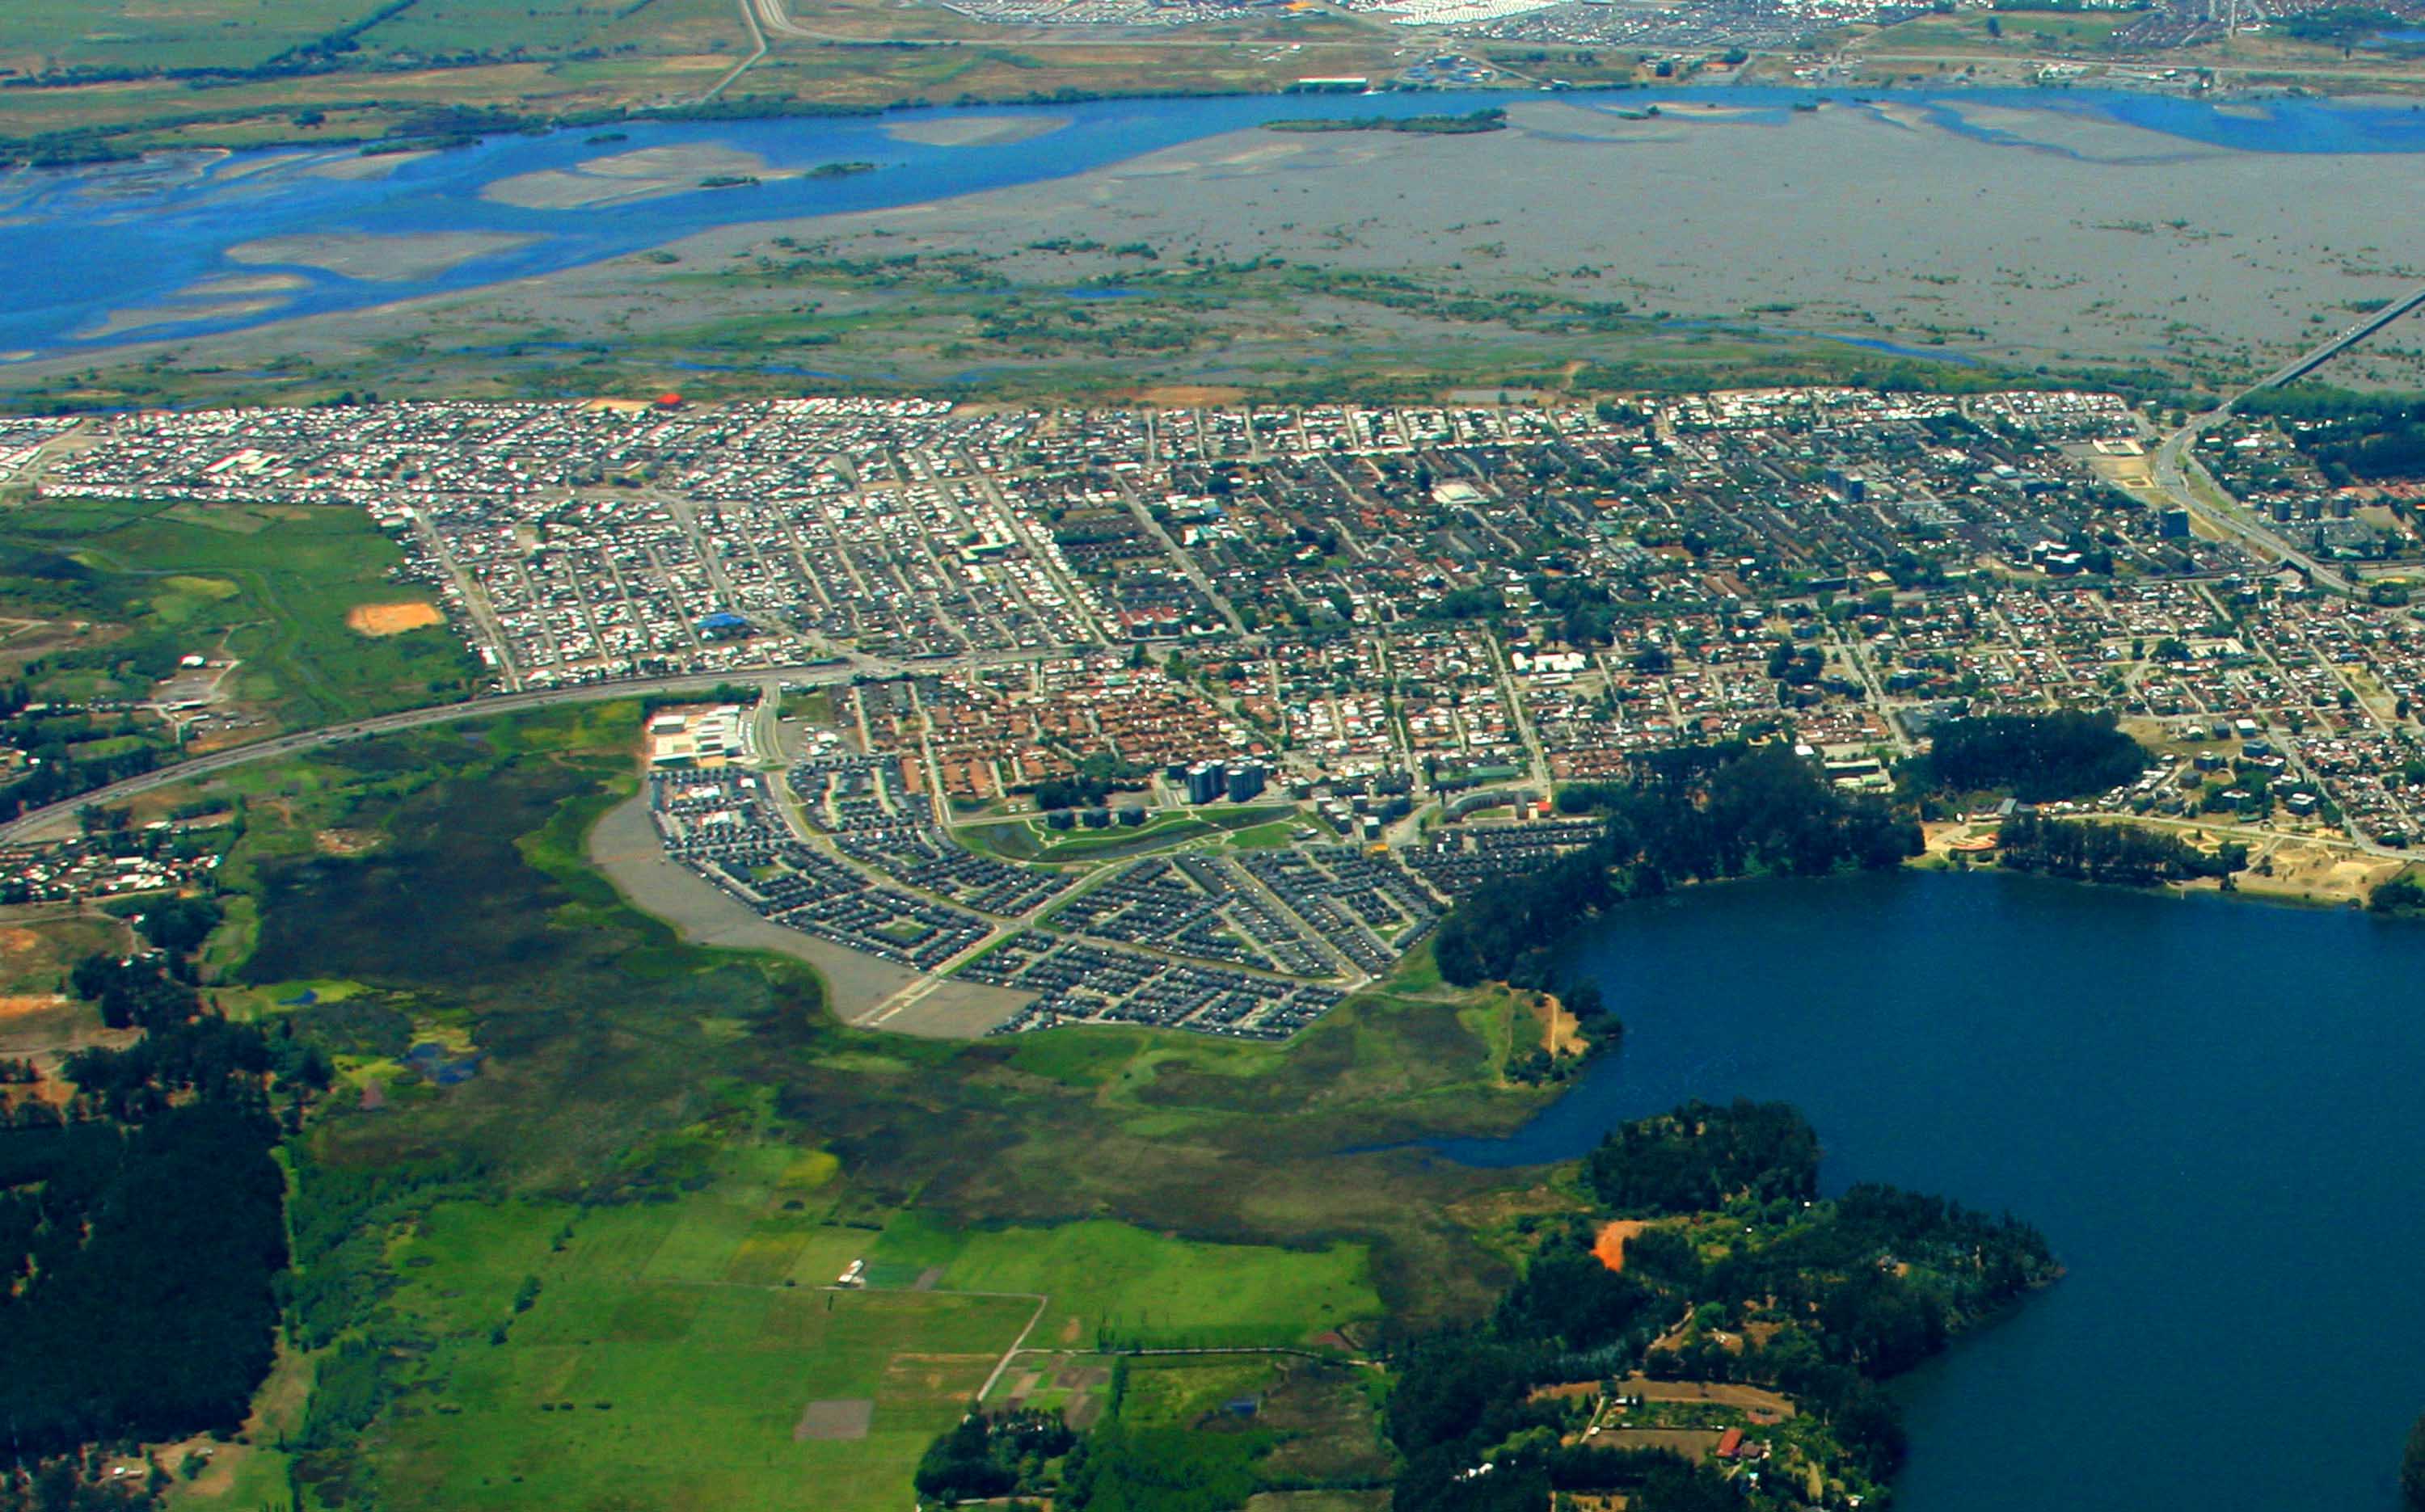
[2211, 1107]
[190, 244]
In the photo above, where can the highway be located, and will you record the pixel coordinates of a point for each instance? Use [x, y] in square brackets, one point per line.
[59, 819]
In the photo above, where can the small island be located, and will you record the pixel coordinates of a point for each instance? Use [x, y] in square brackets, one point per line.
[1489, 119]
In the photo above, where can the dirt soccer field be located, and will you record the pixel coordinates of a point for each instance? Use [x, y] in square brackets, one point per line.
[392, 619]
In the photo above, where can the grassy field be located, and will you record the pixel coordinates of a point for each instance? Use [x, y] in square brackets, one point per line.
[646, 1374]
[674, 1152]
[268, 588]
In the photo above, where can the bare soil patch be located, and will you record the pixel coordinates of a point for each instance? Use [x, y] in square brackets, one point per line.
[847, 1418]
[378, 620]
[1610, 1246]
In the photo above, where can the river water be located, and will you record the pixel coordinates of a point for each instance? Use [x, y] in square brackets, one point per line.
[2215, 1110]
[133, 250]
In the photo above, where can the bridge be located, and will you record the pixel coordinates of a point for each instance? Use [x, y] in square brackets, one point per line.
[2308, 362]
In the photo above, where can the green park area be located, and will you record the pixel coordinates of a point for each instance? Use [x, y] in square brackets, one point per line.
[1033, 838]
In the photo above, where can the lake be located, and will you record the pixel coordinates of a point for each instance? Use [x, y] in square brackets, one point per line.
[2213, 1108]
[191, 244]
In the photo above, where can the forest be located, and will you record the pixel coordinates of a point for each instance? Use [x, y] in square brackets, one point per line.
[1700, 815]
[2038, 758]
[142, 1228]
[141, 1261]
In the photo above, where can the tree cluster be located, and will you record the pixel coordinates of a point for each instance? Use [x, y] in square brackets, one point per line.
[1700, 1157]
[2351, 436]
[134, 993]
[2399, 897]
[992, 1455]
[2038, 758]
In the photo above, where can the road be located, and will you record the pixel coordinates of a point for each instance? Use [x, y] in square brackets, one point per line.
[59, 819]
[2172, 474]
[758, 49]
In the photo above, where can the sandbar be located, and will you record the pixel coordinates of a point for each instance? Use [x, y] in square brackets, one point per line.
[234, 284]
[397, 257]
[974, 131]
[363, 165]
[119, 322]
[622, 177]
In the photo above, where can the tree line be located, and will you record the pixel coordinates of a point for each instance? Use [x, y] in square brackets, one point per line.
[2122, 853]
[142, 1228]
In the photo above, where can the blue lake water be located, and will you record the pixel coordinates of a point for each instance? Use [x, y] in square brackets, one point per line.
[2215, 1109]
[83, 244]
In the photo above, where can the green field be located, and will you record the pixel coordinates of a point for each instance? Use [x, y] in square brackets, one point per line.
[1114, 1282]
[267, 588]
[645, 1376]
[673, 1153]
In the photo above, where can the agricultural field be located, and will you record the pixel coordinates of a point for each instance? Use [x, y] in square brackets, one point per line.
[606, 1271]
[293, 606]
